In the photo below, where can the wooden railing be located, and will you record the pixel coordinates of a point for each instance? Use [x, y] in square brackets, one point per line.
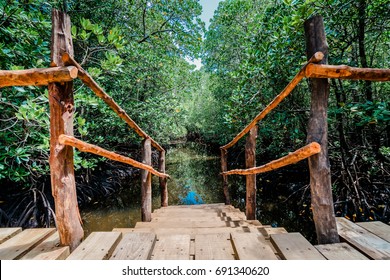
[317, 148]
[60, 78]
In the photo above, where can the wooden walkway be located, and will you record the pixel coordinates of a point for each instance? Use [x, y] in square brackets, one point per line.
[199, 232]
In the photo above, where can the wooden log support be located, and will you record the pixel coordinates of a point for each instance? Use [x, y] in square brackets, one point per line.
[93, 149]
[317, 57]
[37, 76]
[292, 158]
[225, 183]
[162, 180]
[320, 180]
[61, 157]
[146, 188]
[250, 162]
[347, 72]
[90, 82]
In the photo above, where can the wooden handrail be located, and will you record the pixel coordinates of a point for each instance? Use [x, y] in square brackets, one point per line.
[37, 76]
[294, 157]
[317, 57]
[93, 149]
[90, 82]
[347, 72]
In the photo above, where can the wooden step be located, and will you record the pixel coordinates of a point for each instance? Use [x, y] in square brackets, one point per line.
[49, 249]
[378, 228]
[340, 251]
[187, 219]
[188, 224]
[20, 244]
[172, 247]
[7, 233]
[268, 231]
[252, 246]
[293, 246]
[363, 240]
[213, 247]
[135, 246]
[97, 246]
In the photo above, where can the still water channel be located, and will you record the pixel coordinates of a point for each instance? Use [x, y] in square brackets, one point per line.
[195, 179]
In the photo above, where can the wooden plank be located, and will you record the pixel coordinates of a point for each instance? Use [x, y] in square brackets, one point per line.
[174, 219]
[293, 246]
[21, 243]
[172, 247]
[135, 246]
[267, 231]
[7, 233]
[189, 224]
[251, 246]
[363, 240]
[378, 228]
[49, 249]
[97, 246]
[340, 251]
[213, 247]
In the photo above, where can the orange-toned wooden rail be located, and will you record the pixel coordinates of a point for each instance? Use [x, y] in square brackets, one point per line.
[317, 153]
[59, 78]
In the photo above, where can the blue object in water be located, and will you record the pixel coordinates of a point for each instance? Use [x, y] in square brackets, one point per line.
[191, 198]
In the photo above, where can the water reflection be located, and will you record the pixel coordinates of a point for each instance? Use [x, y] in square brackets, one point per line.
[194, 180]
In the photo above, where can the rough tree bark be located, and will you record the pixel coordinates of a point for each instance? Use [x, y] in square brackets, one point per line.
[250, 161]
[61, 156]
[146, 191]
[320, 177]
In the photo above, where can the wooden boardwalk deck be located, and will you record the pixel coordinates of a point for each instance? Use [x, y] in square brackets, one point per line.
[200, 232]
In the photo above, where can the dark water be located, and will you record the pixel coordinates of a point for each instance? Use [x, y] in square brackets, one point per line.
[195, 179]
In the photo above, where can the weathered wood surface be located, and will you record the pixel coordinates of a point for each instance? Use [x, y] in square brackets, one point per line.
[93, 149]
[293, 246]
[340, 251]
[90, 82]
[7, 233]
[347, 72]
[363, 240]
[251, 246]
[163, 181]
[37, 76]
[247, 240]
[320, 179]
[294, 157]
[135, 246]
[62, 110]
[97, 246]
[268, 231]
[317, 57]
[250, 162]
[378, 228]
[48, 249]
[225, 183]
[20, 244]
[172, 247]
[213, 247]
[146, 182]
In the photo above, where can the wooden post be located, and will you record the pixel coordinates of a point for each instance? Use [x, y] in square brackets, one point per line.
[146, 191]
[320, 179]
[250, 161]
[163, 181]
[224, 177]
[61, 157]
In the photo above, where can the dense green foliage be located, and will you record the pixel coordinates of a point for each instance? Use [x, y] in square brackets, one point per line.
[137, 50]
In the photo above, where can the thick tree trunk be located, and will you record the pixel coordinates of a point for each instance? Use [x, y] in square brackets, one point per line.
[146, 191]
[61, 157]
[250, 162]
[320, 177]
